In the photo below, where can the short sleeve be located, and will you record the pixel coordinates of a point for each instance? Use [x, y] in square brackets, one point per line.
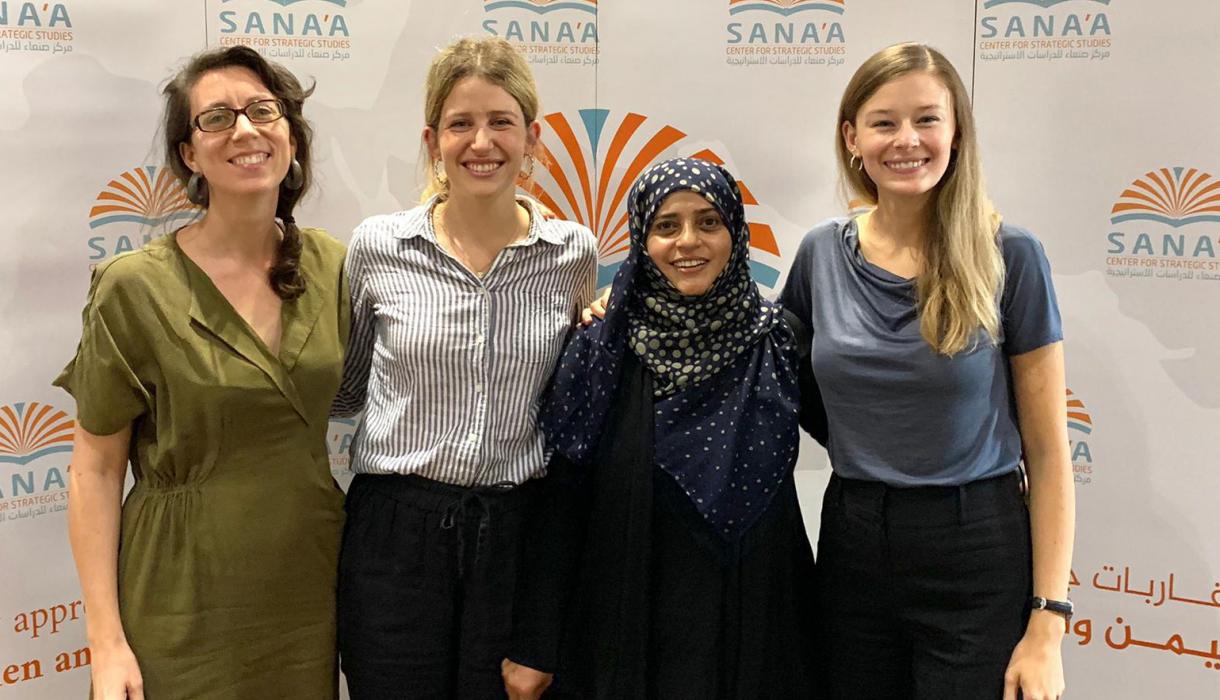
[797, 294]
[108, 394]
[1029, 308]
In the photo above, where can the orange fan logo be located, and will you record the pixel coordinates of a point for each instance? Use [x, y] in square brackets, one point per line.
[147, 195]
[542, 6]
[1078, 417]
[33, 430]
[1173, 196]
[590, 183]
[786, 8]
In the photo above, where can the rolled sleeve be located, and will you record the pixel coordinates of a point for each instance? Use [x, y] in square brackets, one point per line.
[102, 376]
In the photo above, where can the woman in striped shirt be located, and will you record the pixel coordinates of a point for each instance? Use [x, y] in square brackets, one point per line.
[460, 310]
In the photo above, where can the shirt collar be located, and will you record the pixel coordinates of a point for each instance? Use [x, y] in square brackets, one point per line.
[418, 223]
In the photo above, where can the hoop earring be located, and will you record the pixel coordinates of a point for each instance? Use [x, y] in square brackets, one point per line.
[529, 169]
[438, 172]
[295, 177]
[197, 189]
[856, 163]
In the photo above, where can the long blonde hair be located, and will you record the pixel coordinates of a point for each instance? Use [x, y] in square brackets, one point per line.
[957, 290]
[491, 58]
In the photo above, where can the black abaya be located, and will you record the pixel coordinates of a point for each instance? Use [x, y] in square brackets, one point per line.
[626, 593]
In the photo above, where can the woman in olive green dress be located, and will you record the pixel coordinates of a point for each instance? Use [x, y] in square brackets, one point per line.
[208, 360]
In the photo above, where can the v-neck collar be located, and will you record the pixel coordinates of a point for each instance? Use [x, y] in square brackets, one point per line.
[213, 311]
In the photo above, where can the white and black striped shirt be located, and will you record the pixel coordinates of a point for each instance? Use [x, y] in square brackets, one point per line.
[449, 366]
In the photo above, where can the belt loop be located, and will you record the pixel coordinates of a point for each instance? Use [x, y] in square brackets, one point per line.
[961, 504]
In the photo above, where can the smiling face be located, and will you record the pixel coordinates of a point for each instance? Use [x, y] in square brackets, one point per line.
[246, 158]
[904, 135]
[688, 242]
[481, 138]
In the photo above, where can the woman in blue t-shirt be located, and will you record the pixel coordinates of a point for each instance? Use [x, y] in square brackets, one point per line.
[937, 345]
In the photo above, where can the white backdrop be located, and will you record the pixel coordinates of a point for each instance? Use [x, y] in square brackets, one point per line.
[1096, 121]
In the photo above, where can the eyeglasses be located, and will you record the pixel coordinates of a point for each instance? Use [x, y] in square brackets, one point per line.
[221, 118]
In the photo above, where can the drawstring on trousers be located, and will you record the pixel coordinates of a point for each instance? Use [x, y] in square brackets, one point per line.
[460, 510]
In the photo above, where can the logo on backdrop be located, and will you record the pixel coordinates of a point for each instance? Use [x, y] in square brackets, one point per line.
[302, 30]
[1166, 225]
[36, 27]
[1044, 30]
[134, 208]
[30, 484]
[556, 32]
[286, 3]
[786, 33]
[591, 166]
[1045, 4]
[1080, 427]
[338, 441]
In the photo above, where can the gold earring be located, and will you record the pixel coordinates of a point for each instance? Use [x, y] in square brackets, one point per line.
[438, 172]
[856, 162]
[529, 167]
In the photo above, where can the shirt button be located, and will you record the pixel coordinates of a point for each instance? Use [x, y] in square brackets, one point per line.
[472, 438]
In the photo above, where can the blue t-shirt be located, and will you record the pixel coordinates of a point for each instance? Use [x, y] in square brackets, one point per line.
[898, 412]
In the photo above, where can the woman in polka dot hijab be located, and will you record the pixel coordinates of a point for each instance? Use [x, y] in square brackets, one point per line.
[666, 555]
[722, 365]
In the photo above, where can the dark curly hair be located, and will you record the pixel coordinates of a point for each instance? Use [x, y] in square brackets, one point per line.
[285, 275]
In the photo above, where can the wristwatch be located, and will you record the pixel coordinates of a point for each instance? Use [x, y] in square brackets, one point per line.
[1061, 607]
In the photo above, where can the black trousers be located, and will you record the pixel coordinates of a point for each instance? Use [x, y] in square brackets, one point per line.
[426, 584]
[923, 592]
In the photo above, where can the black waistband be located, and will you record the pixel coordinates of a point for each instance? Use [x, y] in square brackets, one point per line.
[929, 503]
[429, 494]
[476, 508]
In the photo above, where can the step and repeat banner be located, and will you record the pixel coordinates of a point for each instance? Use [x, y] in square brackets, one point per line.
[1097, 126]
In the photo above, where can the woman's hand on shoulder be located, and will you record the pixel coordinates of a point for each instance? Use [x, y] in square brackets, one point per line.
[115, 672]
[595, 309]
[523, 682]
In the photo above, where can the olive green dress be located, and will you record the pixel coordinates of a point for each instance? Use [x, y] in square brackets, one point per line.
[229, 543]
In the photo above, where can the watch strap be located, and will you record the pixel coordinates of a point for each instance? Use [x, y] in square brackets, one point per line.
[1062, 607]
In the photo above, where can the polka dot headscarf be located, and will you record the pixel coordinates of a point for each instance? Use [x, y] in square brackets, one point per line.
[683, 340]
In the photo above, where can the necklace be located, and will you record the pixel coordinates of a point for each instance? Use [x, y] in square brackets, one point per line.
[450, 244]
[456, 248]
